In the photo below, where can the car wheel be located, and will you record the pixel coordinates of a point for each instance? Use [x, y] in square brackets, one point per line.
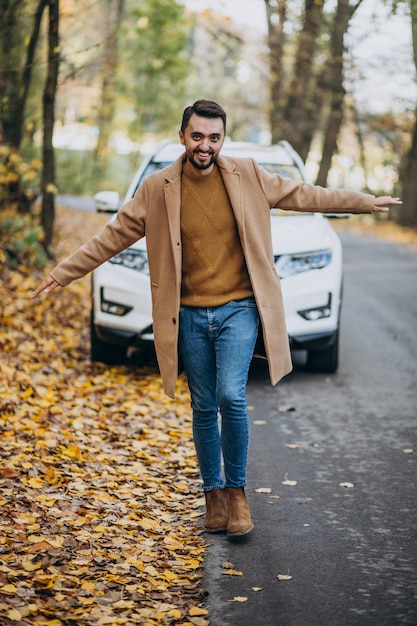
[104, 352]
[325, 360]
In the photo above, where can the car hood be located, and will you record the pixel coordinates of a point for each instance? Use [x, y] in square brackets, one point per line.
[301, 233]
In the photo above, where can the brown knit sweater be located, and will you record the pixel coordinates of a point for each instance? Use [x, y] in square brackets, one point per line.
[213, 266]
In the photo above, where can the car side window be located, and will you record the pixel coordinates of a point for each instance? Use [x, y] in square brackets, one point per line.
[287, 171]
[153, 166]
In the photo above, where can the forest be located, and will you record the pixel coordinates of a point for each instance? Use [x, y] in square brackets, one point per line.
[86, 91]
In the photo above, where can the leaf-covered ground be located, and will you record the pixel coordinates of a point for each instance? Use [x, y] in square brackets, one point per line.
[99, 491]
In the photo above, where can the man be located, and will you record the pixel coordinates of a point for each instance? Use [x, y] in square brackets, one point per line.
[207, 224]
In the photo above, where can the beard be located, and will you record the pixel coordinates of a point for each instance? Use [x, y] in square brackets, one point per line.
[201, 166]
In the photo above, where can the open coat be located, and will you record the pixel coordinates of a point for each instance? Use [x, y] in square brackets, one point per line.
[155, 212]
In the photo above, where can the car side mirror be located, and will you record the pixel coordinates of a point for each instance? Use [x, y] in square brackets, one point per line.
[107, 201]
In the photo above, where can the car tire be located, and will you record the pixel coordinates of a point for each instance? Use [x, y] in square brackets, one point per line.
[103, 352]
[326, 360]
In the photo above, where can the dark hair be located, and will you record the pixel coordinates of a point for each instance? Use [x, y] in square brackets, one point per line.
[205, 108]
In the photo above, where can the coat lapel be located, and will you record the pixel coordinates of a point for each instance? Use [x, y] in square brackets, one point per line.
[172, 192]
[231, 180]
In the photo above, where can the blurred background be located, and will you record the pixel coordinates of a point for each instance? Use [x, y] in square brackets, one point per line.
[87, 89]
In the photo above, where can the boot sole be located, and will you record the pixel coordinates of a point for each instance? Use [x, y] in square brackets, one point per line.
[215, 530]
[241, 533]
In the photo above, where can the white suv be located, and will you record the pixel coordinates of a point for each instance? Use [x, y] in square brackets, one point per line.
[308, 259]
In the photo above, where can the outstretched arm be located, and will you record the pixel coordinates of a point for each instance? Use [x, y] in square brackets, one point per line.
[381, 203]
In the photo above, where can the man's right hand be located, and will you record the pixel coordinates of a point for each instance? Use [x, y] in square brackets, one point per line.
[48, 285]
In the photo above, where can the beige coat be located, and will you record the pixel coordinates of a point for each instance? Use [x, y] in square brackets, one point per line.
[155, 212]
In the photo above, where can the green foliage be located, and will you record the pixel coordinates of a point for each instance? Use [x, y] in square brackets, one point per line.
[21, 240]
[154, 55]
[76, 174]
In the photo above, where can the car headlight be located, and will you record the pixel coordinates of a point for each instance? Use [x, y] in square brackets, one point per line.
[132, 259]
[290, 264]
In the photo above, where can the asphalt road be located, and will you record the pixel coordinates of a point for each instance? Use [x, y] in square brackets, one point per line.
[351, 550]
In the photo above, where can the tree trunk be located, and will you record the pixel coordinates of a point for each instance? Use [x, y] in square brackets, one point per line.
[304, 103]
[407, 214]
[114, 14]
[332, 82]
[48, 176]
[276, 14]
[17, 120]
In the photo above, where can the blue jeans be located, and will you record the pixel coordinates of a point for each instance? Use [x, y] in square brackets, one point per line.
[216, 345]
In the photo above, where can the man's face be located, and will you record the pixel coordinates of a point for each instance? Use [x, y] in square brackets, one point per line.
[203, 139]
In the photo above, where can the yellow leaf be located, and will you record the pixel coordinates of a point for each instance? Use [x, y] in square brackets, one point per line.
[36, 538]
[240, 599]
[8, 589]
[55, 542]
[195, 611]
[51, 188]
[88, 585]
[257, 588]
[73, 452]
[347, 485]
[148, 524]
[124, 604]
[263, 490]
[14, 615]
[36, 483]
[232, 572]
[151, 570]
[284, 577]
[32, 567]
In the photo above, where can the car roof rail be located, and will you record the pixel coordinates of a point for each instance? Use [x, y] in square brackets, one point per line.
[293, 154]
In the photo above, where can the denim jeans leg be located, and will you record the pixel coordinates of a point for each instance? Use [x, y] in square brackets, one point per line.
[234, 350]
[216, 345]
[196, 348]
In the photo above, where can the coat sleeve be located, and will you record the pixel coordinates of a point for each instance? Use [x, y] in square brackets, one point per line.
[117, 235]
[286, 194]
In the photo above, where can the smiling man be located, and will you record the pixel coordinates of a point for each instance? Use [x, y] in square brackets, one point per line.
[214, 288]
[203, 137]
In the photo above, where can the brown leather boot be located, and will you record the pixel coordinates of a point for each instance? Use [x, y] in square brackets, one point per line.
[216, 511]
[240, 522]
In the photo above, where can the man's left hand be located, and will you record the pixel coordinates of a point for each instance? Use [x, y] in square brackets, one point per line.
[382, 203]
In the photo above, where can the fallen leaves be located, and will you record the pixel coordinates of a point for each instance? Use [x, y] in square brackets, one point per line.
[286, 408]
[232, 572]
[287, 482]
[98, 476]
